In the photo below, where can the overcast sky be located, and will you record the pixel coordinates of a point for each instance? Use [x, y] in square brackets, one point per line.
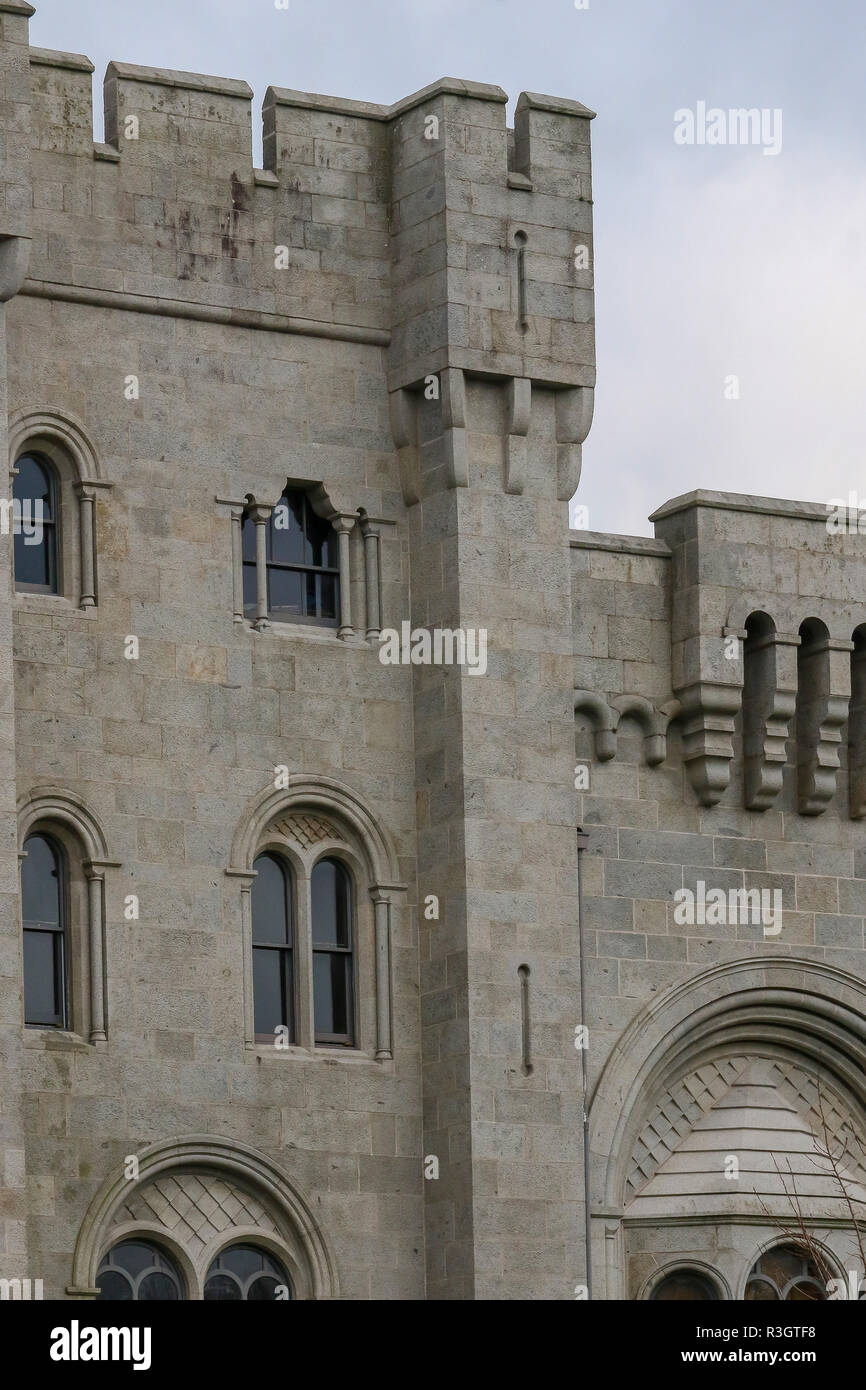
[712, 261]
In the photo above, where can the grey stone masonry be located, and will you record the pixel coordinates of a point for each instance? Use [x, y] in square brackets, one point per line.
[634, 774]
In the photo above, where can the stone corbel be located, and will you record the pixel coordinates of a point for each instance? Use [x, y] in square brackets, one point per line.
[706, 721]
[573, 418]
[818, 752]
[603, 719]
[404, 428]
[453, 387]
[519, 411]
[766, 727]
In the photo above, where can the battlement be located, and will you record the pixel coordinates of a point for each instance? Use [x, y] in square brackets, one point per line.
[426, 226]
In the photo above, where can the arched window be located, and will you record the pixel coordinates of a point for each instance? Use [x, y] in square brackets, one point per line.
[333, 971]
[273, 973]
[685, 1286]
[135, 1271]
[44, 916]
[243, 1273]
[301, 560]
[35, 516]
[786, 1274]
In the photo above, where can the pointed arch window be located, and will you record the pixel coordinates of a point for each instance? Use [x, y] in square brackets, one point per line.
[45, 923]
[35, 520]
[273, 947]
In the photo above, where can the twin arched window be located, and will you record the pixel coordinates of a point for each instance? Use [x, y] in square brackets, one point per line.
[302, 563]
[35, 518]
[137, 1271]
[277, 976]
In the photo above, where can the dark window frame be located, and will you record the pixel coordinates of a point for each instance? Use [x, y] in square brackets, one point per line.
[60, 933]
[348, 1039]
[287, 949]
[317, 619]
[50, 528]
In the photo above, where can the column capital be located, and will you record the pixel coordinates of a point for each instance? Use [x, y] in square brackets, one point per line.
[259, 512]
[343, 522]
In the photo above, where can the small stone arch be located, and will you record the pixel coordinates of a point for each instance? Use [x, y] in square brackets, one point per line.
[652, 721]
[289, 1227]
[57, 804]
[603, 720]
[334, 800]
[60, 428]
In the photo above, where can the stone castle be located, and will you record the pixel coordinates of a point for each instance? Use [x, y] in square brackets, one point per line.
[323, 976]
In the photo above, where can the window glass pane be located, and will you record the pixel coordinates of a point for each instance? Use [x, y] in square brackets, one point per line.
[331, 976]
[250, 589]
[287, 529]
[263, 1289]
[269, 992]
[248, 540]
[330, 887]
[285, 594]
[34, 533]
[270, 916]
[42, 1002]
[684, 1286]
[310, 598]
[34, 561]
[114, 1286]
[33, 484]
[319, 535]
[140, 1271]
[40, 882]
[221, 1288]
[245, 1272]
[157, 1288]
[328, 590]
[242, 1260]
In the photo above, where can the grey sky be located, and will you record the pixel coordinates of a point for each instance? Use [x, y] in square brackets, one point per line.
[711, 261]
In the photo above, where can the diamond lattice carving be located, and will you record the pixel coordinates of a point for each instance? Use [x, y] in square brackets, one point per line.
[687, 1101]
[801, 1090]
[306, 829]
[195, 1208]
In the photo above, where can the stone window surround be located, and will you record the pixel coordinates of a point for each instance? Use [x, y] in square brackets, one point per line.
[362, 630]
[301, 863]
[371, 859]
[63, 442]
[300, 1242]
[67, 819]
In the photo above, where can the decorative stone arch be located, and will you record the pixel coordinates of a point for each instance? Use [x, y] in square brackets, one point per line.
[352, 833]
[766, 1006]
[653, 722]
[84, 842]
[62, 439]
[286, 1224]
